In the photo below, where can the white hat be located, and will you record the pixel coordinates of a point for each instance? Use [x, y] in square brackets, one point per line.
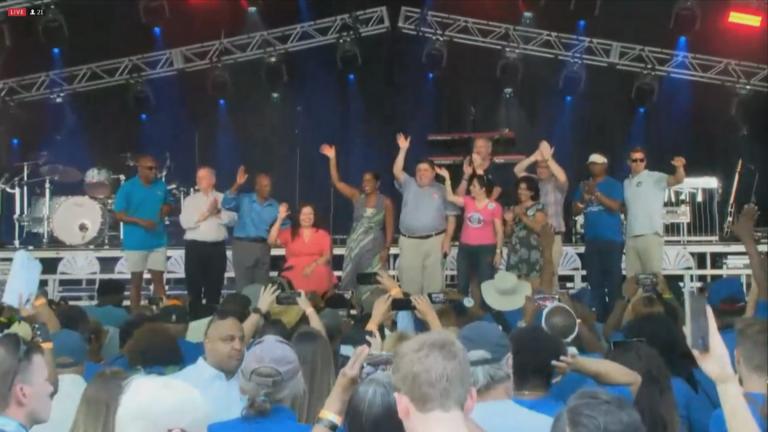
[505, 291]
[597, 158]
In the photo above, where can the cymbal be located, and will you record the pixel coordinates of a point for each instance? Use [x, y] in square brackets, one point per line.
[61, 173]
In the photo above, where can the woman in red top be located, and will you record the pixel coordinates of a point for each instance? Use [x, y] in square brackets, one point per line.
[482, 232]
[307, 251]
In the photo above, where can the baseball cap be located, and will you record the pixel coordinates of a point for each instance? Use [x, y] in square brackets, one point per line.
[69, 348]
[597, 158]
[174, 314]
[485, 336]
[728, 288]
[269, 362]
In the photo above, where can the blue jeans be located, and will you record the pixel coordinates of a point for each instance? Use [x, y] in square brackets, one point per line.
[602, 261]
[474, 261]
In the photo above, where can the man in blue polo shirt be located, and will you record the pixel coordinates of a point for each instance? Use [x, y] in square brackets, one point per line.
[256, 212]
[142, 203]
[600, 199]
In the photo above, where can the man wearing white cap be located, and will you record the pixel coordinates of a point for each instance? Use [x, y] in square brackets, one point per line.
[600, 199]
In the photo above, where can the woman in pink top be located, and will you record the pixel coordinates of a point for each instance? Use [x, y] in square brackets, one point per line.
[307, 251]
[482, 233]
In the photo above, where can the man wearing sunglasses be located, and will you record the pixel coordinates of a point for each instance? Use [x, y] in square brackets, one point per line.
[142, 203]
[644, 193]
[25, 392]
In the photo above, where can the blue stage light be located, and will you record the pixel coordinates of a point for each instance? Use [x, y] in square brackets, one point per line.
[143, 117]
[568, 98]
[222, 102]
[157, 31]
[15, 142]
[351, 77]
[55, 51]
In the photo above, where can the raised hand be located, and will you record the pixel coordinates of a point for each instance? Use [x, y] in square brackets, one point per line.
[678, 161]
[303, 302]
[476, 162]
[441, 171]
[744, 227]
[423, 308]
[328, 150]
[403, 141]
[386, 282]
[267, 297]
[242, 176]
[545, 150]
[283, 211]
[467, 166]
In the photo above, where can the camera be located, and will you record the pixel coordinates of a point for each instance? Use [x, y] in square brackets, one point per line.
[648, 283]
[286, 294]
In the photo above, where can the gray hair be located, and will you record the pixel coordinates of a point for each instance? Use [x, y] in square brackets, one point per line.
[592, 410]
[270, 390]
[487, 376]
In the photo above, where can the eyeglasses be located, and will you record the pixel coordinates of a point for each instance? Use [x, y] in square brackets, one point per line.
[637, 160]
[21, 353]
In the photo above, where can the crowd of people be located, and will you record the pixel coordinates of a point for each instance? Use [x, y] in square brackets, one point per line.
[307, 352]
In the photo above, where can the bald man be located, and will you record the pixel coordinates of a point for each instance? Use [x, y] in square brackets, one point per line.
[205, 251]
[142, 204]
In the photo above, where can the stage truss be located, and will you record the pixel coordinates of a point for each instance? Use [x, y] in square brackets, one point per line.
[74, 273]
[194, 57]
[580, 49]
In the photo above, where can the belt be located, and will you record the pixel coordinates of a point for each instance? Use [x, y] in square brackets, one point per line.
[422, 237]
[207, 243]
[251, 239]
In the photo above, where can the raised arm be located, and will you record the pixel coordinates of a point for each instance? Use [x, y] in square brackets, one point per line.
[603, 371]
[348, 191]
[521, 167]
[389, 224]
[546, 153]
[679, 175]
[282, 215]
[745, 231]
[403, 142]
[449, 195]
[468, 170]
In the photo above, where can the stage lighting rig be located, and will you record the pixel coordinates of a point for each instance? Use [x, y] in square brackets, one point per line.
[435, 56]
[252, 6]
[686, 17]
[154, 13]
[140, 96]
[274, 74]
[348, 57]
[509, 71]
[644, 91]
[53, 28]
[219, 82]
[572, 79]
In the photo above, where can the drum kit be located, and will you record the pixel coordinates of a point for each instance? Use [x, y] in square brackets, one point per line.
[72, 220]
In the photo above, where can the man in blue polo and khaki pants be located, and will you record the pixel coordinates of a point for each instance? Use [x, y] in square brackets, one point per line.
[142, 204]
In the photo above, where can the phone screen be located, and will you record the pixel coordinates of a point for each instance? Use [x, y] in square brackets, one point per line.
[402, 304]
[437, 298]
[287, 298]
[544, 300]
[367, 279]
[696, 317]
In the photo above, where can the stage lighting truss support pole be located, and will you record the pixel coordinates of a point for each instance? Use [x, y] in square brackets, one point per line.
[193, 57]
[597, 52]
[22, 3]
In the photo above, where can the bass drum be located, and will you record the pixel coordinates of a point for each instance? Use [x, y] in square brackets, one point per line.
[77, 220]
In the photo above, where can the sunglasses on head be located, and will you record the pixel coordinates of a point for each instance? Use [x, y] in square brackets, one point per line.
[637, 160]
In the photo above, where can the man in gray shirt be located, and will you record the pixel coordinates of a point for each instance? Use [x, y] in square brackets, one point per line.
[644, 193]
[427, 223]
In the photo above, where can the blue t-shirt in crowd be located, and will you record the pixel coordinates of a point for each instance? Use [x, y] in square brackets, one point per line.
[280, 419]
[547, 405]
[254, 218]
[692, 408]
[136, 199]
[761, 309]
[190, 351]
[756, 402]
[729, 338]
[107, 315]
[599, 222]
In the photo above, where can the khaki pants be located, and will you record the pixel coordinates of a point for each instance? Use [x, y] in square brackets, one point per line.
[644, 254]
[421, 265]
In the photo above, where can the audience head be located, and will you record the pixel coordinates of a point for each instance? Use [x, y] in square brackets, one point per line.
[73, 318]
[236, 305]
[110, 292]
[26, 392]
[560, 321]
[129, 328]
[153, 346]
[98, 405]
[372, 406]
[262, 184]
[481, 186]
[646, 304]
[654, 401]
[317, 367]
[533, 350]
[543, 172]
[728, 301]
[637, 160]
[305, 218]
[752, 351]
[152, 403]
[593, 410]
[487, 372]
[425, 172]
[485, 336]
[176, 320]
[224, 343]
[431, 373]
[271, 375]
[527, 189]
[69, 351]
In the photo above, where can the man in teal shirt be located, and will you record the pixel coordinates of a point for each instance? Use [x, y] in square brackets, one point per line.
[142, 203]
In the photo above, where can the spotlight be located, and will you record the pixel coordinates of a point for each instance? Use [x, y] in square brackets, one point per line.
[157, 31]
[222, 102]
[140, 97]
[686, 17]
[641, 110]
[219, 83]
[351, 77]
[143, 117]
[274, 75]
[154, 12]
[348, 57]
[644, 91]
[15, 141]
[572, 79]
[435, 56]
[252, 5]
[430, 75]
[509, 71]
[53, 28]
[528, 20]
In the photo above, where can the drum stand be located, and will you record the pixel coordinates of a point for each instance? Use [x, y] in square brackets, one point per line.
[16, 191]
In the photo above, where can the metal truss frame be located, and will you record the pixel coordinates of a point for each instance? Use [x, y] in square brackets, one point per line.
[22, 3]
[598, 52]
[194, 57]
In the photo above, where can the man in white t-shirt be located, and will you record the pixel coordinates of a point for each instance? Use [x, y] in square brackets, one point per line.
[644, 193]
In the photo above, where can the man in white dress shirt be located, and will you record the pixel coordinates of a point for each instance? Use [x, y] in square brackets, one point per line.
[215, 374]
[205, 250]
